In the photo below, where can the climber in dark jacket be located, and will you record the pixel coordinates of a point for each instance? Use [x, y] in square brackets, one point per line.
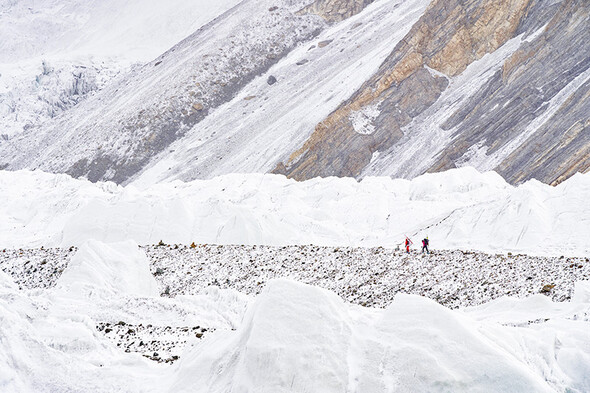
[425, 245]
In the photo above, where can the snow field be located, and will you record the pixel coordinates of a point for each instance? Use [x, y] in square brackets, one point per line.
[458, 209]
[292, 337]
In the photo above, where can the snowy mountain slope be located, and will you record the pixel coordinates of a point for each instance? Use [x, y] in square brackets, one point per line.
[456, 209]
[395, 88]
[113, 134]
[50, 48]
[254, 130]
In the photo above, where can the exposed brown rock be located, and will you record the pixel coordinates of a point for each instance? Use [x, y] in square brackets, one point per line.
[529, 80]
[449, 36]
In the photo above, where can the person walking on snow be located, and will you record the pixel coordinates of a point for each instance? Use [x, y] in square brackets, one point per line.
[425, 245]
[408, 242]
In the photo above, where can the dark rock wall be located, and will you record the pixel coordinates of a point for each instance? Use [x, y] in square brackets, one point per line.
[559, 149]
[521, 93]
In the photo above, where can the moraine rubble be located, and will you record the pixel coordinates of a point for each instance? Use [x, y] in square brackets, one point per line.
[366, 276]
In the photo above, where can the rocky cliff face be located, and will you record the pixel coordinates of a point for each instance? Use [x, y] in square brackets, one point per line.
[533, 114]
[529, 119]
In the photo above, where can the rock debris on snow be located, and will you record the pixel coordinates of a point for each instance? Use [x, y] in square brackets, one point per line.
[35, 268]
[162, 344]
[367, 276]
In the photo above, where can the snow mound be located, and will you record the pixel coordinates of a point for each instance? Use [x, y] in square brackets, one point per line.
[581, 292]
[44, 350]
[49, 339]
[297, 338]
[115, 268]
[460, 208]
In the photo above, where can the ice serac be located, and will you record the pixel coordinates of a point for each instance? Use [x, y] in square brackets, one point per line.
[460, 208]
[115, 268]
[528, 119]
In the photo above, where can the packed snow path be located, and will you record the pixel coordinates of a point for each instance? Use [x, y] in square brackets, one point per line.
[367, 276]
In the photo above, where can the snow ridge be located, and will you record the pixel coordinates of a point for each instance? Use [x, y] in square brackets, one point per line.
[461, 208]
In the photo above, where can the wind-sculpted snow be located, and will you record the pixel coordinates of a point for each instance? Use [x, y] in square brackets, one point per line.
[296, 338]
[291, 338]
[457, 209]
